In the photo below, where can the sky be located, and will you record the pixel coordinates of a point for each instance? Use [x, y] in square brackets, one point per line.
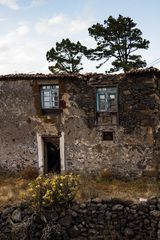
[29, 28]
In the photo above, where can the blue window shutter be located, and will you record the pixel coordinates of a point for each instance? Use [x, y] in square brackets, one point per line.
[108, 102]
[97, 100]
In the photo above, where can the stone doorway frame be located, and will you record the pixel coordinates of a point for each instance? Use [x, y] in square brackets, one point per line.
[41, 157]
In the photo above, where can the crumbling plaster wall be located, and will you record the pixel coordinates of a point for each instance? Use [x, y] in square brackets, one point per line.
[22, 120]
[18, 146]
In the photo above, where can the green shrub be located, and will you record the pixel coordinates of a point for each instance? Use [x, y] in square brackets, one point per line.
[56, 190]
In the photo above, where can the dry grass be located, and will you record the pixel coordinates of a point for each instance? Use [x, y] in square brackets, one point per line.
[29, 173]
[113, 188]
[10, 187]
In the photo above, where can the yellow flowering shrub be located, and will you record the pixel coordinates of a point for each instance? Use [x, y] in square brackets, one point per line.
[53, 190]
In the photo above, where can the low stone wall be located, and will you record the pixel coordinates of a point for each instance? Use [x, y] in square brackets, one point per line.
[96, 219]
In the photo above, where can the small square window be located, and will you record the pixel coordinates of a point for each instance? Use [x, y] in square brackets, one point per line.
[107, 136]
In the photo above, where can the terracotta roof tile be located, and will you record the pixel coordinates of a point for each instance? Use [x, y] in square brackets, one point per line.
[24, 76]
[143, 70]
[93, 78]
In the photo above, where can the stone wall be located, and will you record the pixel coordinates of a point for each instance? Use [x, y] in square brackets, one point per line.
[18, 146]
[135, 147]
[132, 151]
[139, 109]
[21, 120]
[96, 219]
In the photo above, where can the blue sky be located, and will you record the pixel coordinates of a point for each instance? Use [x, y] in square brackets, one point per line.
[29, 28]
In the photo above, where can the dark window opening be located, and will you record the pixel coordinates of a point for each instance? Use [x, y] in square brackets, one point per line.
[107, 136]
[51, 157]
[49, 96]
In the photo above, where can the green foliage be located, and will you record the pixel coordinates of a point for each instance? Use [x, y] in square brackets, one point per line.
[46, 191]
[117, 38]
[67, 57]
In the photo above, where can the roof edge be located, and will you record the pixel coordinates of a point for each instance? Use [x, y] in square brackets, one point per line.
[86, 76]
[143, 70]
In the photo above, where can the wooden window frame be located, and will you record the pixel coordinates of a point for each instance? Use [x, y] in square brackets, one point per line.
[107, 92]
[49, 95]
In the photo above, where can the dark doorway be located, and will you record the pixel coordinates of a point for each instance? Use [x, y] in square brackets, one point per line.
[51, 155]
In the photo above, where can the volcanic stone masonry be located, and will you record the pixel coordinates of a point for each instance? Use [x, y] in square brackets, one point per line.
[124, 140]
[93, 220]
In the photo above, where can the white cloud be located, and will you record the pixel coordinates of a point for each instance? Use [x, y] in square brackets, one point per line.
[23, 30]
[10, 3]
[18, 33]
[3, 19]
[35, 3]
[78, 25]
[61, 25]
[18, 51]
[57, 20]
[23, 51]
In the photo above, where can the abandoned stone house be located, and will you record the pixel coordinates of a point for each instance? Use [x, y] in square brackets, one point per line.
[88, 123]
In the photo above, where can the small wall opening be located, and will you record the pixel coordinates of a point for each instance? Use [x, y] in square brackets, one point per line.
[51, 155]
[107, 136]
